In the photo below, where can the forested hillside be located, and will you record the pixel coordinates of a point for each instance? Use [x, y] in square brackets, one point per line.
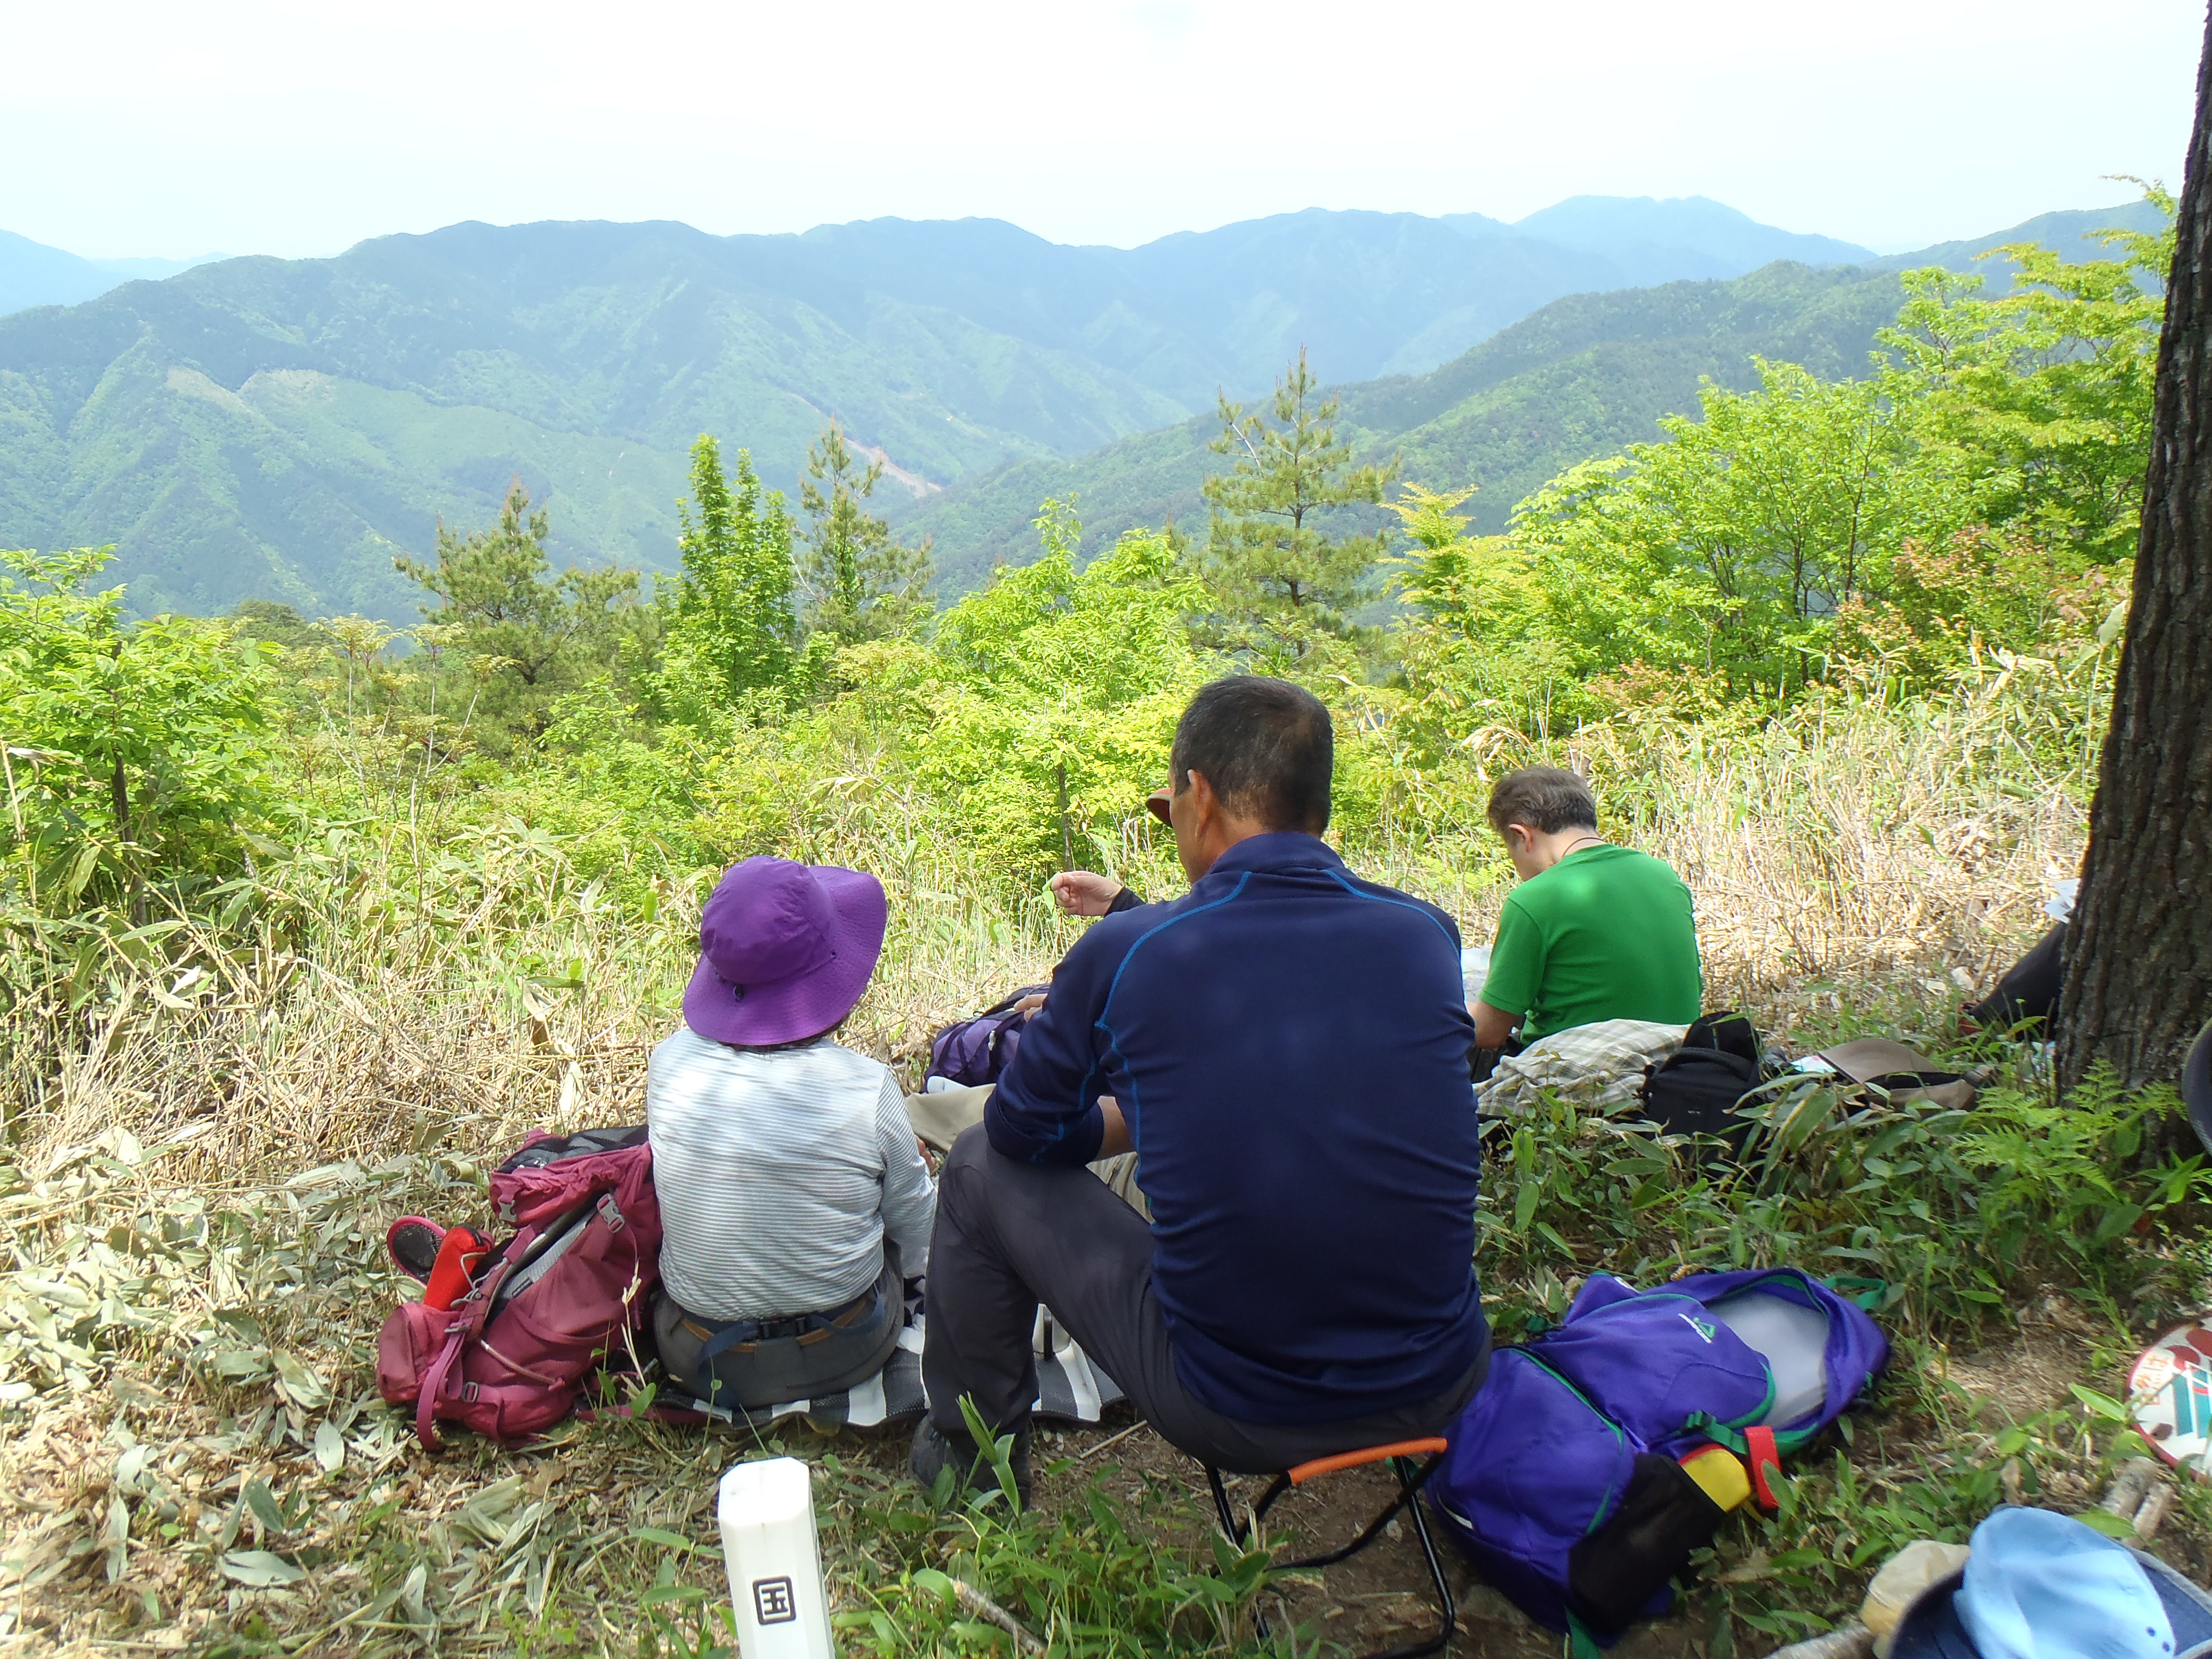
[284, 430]
[1582, 377]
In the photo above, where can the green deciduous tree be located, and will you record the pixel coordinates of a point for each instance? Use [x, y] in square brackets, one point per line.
[541, 634]
[1472, 587]
[1282, 583]
[860, 582]
[2044, 394]
[1054, 687]
[1475, 636]
[133, 753]
[731, 629]
[1730, 547]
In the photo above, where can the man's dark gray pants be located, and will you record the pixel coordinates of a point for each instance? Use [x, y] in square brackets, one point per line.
[1009, 1236]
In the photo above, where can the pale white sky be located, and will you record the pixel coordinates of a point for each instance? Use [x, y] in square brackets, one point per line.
[131, 128]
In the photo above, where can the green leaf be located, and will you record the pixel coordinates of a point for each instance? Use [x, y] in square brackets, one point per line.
[330, 1447]
[667, 1541]
[263, 1502]
[259, 1570]
[300, 1385]
[2101, 1405]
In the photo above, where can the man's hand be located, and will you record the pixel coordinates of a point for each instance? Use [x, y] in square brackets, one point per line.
[1492, 1026]
[1027, 1005]
[1080, 893]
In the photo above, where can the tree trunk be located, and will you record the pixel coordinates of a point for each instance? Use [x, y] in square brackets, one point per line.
[118, 792]
[2139, 971]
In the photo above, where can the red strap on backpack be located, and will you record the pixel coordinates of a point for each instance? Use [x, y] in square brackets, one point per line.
[1761, 1456]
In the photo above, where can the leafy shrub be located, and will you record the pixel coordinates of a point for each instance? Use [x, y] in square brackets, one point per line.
[137, 751]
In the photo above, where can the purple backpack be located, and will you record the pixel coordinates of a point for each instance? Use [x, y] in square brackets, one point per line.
[508, 1359]
[974, 1052]
[1564, 1484]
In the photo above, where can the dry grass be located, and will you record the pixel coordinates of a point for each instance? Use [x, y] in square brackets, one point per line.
[1840, 867]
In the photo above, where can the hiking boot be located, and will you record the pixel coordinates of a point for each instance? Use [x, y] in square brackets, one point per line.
[935, 1450]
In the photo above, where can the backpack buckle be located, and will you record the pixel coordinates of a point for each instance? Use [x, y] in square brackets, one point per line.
[610, 1212]
[470, 1391]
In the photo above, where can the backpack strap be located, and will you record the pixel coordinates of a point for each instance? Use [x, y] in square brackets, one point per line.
[1764, 1456]
[468, 1324]
[1718, 1432]
[434, 1384]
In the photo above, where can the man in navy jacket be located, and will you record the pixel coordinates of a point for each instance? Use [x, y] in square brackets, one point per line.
[1286, 1050]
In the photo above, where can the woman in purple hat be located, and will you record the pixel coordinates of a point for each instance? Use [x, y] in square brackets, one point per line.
[792, 1195]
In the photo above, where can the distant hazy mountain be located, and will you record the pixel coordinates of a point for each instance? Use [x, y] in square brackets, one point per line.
[33, 273]
[282, 429]
[2072, 233]
[1654, 241]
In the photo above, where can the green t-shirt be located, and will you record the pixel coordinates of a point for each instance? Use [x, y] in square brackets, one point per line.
[1605, 934]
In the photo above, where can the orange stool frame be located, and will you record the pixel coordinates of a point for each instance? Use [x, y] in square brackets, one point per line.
[1401, 1455]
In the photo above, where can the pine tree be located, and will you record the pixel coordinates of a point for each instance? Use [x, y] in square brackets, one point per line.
[731, 627]
[1282, 584]
[542, 634]
[860, 582]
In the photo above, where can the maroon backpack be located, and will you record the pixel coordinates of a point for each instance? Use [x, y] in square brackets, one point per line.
[545, 1308]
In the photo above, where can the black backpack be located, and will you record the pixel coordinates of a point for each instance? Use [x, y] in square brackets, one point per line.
[2029, 990]
[1692, 1091]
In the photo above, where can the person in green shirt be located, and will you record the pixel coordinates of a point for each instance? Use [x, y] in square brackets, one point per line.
[1594, 931]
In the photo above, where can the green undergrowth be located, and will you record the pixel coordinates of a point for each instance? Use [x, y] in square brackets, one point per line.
[1952, 1210]
[192, 1426]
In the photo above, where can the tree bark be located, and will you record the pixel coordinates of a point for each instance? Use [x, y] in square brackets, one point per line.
[2139, 970]
[118, 792]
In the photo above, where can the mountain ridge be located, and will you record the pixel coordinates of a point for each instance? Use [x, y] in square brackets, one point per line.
[33, 274]
[280, 428]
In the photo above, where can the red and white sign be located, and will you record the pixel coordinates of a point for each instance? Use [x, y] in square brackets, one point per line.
[2170, 1392]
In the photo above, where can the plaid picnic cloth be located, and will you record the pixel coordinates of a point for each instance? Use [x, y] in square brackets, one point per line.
[1069, 1387]
[1598, 1066]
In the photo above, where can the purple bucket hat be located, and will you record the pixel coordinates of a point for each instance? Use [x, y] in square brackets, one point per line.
[784, 951]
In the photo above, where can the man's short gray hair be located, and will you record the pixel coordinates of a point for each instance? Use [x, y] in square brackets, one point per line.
[1546, 798]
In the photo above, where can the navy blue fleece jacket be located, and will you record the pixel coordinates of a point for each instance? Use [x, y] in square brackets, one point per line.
[1289, 1046]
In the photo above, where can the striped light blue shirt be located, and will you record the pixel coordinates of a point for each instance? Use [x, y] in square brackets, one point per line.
[780, 1174]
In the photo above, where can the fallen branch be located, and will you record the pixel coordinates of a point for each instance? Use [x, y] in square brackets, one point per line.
[1113, 1440]
[2152, 1512]
[984, 1607]
[2130, 1486]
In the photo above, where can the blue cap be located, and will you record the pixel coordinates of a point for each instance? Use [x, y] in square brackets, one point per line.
[2041, 1585]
